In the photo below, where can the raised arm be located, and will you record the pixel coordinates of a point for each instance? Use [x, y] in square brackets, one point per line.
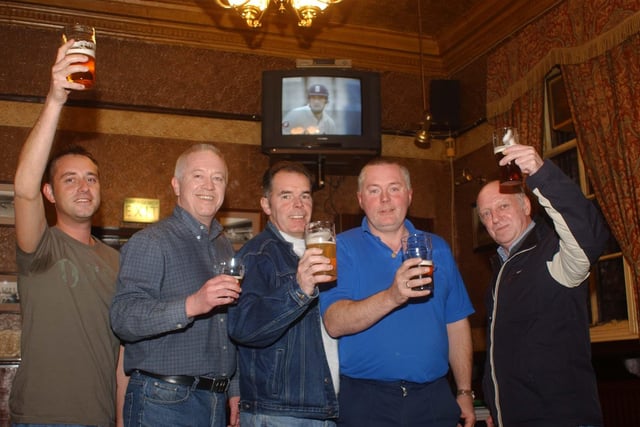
[29, 205]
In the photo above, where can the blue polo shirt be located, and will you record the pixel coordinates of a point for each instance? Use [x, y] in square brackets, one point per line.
[410, 343]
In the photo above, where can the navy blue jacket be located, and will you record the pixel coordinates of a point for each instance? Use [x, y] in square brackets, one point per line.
[283, 367]
[538, 369]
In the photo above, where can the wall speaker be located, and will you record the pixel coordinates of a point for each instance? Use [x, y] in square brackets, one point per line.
[444, 104]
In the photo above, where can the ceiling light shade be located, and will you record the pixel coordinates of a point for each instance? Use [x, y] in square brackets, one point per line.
[252, 11]
[422, 138]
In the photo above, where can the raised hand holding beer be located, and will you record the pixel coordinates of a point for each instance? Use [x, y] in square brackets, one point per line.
[510, 173]
[84, 43]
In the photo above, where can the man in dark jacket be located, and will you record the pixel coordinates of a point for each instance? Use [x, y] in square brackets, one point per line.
[538, 370]
[288, 364]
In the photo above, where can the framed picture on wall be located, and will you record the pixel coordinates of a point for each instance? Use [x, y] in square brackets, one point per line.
[481, 238]
[7, 214]
[240, 225]
[9, 299]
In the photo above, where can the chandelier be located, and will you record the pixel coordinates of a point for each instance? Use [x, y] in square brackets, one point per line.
[252, 11]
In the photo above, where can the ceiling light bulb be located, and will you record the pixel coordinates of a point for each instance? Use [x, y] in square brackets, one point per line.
[299, 4]
[252, 11]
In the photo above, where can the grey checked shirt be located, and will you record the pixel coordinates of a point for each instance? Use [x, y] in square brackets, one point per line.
[159, 267]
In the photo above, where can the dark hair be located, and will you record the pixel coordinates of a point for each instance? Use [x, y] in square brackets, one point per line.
[283, 166]
[74, 150]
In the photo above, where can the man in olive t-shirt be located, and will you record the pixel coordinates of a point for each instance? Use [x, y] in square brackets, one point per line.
[66, 278]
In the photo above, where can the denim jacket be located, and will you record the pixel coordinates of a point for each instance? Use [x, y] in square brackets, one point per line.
[282, 362]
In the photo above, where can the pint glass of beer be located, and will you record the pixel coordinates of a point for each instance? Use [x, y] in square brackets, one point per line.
[231, 267]
[322, 234]
[510, 174]
[84, 38]
[418, 245]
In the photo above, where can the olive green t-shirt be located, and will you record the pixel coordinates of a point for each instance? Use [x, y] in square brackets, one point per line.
[67, 374]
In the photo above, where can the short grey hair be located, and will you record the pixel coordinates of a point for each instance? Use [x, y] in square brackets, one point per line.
[381, 161]
[180, 163]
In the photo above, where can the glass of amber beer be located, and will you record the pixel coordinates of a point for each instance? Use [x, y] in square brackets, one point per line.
[322, 234]
[84, 43]
[232, 267]
[510, 174]
[418, 245]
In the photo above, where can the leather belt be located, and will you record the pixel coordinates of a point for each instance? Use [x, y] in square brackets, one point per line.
[214, 385]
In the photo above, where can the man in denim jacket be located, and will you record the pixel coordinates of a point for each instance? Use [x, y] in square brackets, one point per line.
[284, 352]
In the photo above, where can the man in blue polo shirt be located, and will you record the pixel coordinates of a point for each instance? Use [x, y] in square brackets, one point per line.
[396, 343]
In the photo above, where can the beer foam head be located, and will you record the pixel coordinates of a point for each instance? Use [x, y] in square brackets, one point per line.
[319, 237]
[508, 138]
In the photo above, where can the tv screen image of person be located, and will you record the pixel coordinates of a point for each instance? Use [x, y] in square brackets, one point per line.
[321, 105]
[329, 112]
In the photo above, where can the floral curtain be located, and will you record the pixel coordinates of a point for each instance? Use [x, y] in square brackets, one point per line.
[604, 96]
[597, 45]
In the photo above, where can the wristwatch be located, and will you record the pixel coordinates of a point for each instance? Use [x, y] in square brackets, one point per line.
[466, 393]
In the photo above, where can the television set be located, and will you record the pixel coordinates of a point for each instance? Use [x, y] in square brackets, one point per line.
[323, 115]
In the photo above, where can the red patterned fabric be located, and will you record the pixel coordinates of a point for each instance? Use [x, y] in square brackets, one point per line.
[564, 35]
[604, 96]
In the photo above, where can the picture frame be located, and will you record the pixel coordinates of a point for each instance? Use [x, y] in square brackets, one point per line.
[240, 225]
[7, 213]
[481, 238]
[9, 299]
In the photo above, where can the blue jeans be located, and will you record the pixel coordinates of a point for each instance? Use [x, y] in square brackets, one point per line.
[259, 420]
[150, 402]
[49, 425]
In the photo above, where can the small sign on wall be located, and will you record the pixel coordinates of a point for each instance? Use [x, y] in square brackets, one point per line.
[137, 209]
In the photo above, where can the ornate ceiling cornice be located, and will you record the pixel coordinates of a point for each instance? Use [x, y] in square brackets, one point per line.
[202, 24]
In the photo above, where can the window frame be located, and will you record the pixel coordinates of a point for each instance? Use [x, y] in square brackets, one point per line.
[615, 330]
